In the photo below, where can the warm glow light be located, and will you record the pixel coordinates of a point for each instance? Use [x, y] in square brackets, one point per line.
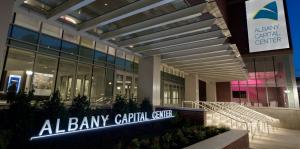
[29, 72]
[287, 91]
[69, 19]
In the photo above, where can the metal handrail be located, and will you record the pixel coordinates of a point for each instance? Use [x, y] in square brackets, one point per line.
[237, 113]
[232, 113]
[244, 110]
[194, 104]
[247, 113]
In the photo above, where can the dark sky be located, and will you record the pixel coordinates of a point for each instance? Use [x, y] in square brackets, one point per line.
[293, 10]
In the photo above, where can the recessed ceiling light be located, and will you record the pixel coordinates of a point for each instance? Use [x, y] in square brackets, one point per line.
[26, 2]
[105, 4]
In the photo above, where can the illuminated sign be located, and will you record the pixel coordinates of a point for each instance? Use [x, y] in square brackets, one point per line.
[76, 125]
[14, 80]
[266, 23]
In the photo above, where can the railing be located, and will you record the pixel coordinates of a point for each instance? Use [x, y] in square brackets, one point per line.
[253, 120]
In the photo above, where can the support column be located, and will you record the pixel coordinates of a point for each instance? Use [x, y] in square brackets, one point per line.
[211, 91]
[6, 13]
[149, 79]
[191, 87]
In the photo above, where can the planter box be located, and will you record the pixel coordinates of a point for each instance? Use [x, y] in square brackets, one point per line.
[233, 139]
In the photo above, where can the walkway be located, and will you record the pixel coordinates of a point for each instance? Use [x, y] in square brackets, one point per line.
[280, 139]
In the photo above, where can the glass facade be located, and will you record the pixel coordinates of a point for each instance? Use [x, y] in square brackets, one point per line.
[269, 83]
[172, 87]
[48, 59]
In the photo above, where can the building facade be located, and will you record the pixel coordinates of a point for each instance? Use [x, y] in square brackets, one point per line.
[165, 51]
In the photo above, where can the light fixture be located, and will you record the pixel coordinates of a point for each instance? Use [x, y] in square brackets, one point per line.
[69, 19]
[118, 88]
[26, 1]
[29, 72]
[109, 83]
[287, 91]
[105, 4]
[131, 46]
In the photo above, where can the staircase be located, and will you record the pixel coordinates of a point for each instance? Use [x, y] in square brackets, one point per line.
[235, 116]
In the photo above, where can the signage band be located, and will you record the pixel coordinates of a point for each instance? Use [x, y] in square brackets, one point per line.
[99, 122]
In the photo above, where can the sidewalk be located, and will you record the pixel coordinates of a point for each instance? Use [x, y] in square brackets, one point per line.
[280, 139]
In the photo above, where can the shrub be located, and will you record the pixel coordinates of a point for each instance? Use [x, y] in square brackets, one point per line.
[80, 106]
[146, 106]
[145, 143]
[120, 105]
[134, 144]
[54, 108]
[21, 119]
[166, 140]
[132, 106]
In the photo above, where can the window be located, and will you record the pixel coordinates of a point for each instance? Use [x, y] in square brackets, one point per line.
[119, 84]
[101, 47]
[239, 94]
[109, 83]
[27, 22]
[98, 85]
[120, 63]
[129, 66]
[86, 54]
[49, 44]
[128, 87]
[24, 34]
[18, 69]
[83, 80]
[44, 75]
[111, 51]
[69, 50]
[70, 37]
[51, 30]
[100, 57]
[87, 43]
[110, 60]
[65, 79]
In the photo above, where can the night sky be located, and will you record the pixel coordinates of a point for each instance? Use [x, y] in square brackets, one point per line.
[293, 10]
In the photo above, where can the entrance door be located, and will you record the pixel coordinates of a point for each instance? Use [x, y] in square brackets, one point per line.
[202, 90]
[82, 85]
[124, 84]
[66, 87]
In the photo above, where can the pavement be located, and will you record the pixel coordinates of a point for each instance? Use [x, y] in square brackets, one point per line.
[277, 139]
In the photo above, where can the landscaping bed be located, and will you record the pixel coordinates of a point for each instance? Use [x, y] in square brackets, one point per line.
[24, 119]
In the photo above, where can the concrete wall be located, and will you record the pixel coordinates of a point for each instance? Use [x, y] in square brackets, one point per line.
[289, 118]
[149, 79]
[211, 91]
[6, 13]
[191, 87]
[233, 139]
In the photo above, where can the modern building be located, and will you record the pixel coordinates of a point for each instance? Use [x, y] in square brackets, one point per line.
[167, 51]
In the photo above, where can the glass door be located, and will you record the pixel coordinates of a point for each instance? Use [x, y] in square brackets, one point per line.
[126, 85]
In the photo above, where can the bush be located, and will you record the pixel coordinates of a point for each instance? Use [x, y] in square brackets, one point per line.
[179, 138]
[21, 119]
[132, 106]
[146, 106]
[120, 105]
[134, 144]
[80, 106]
[54, 108]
